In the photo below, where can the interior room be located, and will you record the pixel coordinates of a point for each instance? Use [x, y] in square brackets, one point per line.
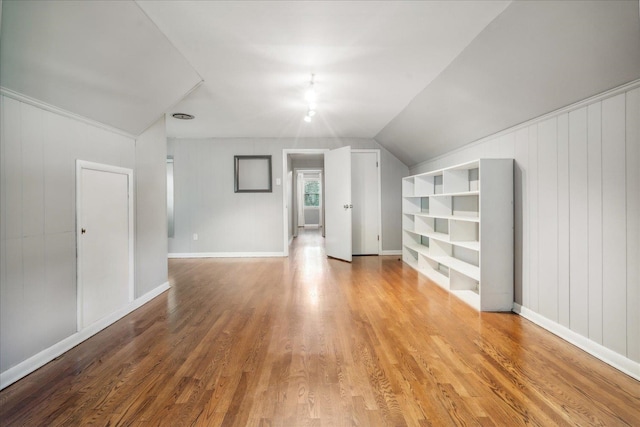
[320, 213]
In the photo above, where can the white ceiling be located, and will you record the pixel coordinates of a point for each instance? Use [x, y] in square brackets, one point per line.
[104, 60]
[422, 78]
[534, 58]
[370, 60]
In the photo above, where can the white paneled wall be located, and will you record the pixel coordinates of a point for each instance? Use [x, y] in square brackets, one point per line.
[38, 279]
[577, 214]
[251, 224]
[38, 151]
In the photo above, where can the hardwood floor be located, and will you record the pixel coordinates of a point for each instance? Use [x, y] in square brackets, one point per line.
[315, 341]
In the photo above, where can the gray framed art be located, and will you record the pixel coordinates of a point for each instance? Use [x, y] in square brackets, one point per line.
[252, 174]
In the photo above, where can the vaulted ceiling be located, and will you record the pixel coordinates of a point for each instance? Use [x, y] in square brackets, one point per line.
[422, 78]
[103, 60]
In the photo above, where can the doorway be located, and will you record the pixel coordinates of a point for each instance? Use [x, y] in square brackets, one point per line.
[366, 222]
[309, 206]
[104, 222]
[295, 161]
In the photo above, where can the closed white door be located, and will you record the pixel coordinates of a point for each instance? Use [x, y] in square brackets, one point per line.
[365, 196]
[337, 170]
[105, 261]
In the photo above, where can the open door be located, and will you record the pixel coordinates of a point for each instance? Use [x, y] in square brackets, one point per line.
[338, 207]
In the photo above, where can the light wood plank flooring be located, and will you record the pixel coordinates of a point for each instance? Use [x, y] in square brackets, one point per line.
[315, 341]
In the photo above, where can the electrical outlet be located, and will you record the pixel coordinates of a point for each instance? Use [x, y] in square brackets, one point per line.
[195, 236]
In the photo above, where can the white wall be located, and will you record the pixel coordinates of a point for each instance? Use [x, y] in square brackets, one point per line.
[251, 223]
[577, 216]
[151, 208]
[39, 149]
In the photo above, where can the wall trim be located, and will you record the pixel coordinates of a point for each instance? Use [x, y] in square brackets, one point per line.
[391, 252]
[608, 356]
[56, 110]
[226, 254]
[583, 103]
[40, 359]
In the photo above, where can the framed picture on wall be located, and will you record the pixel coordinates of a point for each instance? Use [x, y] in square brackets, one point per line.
[252, 174]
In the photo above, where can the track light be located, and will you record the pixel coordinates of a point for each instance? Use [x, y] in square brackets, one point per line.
[311, 97]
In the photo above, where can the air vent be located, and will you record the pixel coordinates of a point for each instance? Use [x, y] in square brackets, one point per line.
[183, 116]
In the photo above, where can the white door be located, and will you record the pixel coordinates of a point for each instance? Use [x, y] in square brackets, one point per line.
[337, 176]
[105, 241]
[366, 204]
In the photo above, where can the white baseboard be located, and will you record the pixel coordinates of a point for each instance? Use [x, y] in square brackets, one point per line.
[391, 252]
[226, 255]
[38, 360]
[608, 356]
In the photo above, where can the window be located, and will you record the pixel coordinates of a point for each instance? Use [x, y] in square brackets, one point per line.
[312, 193]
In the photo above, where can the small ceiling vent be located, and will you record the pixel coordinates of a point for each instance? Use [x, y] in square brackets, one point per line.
[183, 116]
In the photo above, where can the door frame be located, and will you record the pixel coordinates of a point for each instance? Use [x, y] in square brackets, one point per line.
[80, 165]
[285, 210]
[379, 185]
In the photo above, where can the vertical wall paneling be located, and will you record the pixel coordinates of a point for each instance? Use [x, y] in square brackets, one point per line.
[32, 171]
[34, 290]
[11, 307]
[578, 222]
[3, 188]
[59, 310]
[614, 224]
[59, 174]
[633, 223]
[151, 209]
[548, 214]
[577, 177]
[533, 217]
[594, 167]
[11, 294]
[521, 224]
[211, 212]
[13, 164]
[38, 259]
[563, 221]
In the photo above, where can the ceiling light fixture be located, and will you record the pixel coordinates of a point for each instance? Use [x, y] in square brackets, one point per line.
[311, 97]
[183, 116]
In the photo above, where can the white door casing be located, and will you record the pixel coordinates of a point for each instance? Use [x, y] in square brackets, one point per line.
[104, 224]
[287, 203]
[338, 206]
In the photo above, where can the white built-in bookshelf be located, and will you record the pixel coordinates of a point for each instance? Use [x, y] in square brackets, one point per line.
[458, 230]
